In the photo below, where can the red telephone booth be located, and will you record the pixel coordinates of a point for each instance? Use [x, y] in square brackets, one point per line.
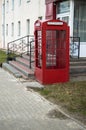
[51, 51]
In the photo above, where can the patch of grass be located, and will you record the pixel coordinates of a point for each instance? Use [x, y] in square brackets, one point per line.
[71, 95]
[2, 56]
[45, 92]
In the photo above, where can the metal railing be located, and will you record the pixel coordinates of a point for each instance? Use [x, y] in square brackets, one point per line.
[25, 45]
[75, 47]
[18, 47]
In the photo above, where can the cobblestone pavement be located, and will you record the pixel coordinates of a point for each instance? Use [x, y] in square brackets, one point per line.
[26, 110]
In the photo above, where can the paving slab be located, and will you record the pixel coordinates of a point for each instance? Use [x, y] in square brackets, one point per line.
[27, 110]
[33, 84]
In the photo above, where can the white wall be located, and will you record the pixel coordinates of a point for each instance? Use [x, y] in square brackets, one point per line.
[82, 49]
[0, 23]
[27, 10]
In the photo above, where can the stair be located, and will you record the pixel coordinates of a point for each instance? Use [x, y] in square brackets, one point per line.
[20, 67]
[78, 67]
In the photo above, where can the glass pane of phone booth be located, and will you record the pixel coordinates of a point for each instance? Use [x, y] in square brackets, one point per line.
[55, 49]
[39, 50]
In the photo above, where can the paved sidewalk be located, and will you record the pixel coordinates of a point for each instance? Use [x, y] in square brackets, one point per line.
[26, 110]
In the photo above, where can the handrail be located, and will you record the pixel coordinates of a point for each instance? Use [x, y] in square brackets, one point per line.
[20, 38]
[20, 46]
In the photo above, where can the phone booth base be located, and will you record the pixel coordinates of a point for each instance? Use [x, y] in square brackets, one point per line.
[51, 51]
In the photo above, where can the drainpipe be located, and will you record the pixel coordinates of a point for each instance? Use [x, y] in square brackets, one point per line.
[4, 24]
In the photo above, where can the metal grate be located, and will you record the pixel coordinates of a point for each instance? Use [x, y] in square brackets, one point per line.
[75, 47]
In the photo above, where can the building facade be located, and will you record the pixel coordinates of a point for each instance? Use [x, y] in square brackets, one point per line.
[73, 12]
[0, 23]
[19, 17]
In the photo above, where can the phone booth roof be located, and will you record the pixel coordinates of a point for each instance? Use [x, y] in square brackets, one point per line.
[50, 23]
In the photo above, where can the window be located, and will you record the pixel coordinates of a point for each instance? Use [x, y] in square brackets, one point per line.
[7, 6]
[19, 2]
[3, 9]
[63, 7]
[2, 29]
[80, 20]
[66, 19]
[6, 29]
[12, 4]
[19, 28]
[12, 27]
[28, 26]
[63, 11]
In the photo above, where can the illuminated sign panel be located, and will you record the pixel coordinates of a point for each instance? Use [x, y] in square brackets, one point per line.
[55, 23]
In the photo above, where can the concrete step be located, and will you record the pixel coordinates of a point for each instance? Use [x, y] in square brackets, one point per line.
[20, 67]
[14, 71]
[78, 60]
[78, 63]
[11, 69]
[78, 74]
[78, 66]
[77, 69]
[23, 61]
[27, 57]
[23, 69]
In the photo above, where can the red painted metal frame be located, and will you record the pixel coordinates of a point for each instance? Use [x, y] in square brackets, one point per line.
[56, 68]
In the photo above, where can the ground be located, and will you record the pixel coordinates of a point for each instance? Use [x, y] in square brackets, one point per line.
[71, 97]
